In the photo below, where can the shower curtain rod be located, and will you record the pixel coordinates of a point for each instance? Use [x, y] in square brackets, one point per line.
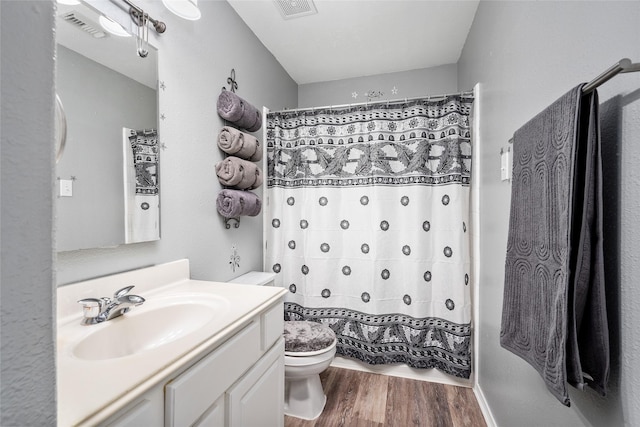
[464, 94]
[623, 66]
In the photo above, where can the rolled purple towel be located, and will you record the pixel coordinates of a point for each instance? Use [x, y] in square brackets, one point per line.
[238, 111]
[238, 173]
[230, 106]
[239, 144]
[235, 203]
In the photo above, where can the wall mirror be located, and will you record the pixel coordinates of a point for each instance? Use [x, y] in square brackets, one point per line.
[108, 189]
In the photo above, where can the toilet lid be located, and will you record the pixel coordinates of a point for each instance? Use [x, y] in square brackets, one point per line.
[304, 336]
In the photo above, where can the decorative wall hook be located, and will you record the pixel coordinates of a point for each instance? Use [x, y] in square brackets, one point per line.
[234, 260]
[231, 81]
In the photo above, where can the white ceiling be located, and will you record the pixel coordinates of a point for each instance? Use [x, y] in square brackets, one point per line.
[361, 37]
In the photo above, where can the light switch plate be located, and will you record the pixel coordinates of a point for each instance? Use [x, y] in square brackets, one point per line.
[66, 188]
[505, 164]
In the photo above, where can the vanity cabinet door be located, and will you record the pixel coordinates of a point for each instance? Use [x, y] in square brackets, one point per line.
[257, 399]
[193, 392]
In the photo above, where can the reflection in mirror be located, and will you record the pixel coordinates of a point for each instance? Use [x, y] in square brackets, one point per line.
[108, 175]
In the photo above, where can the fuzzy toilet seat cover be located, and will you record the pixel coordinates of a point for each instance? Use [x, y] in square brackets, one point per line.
[305, 336]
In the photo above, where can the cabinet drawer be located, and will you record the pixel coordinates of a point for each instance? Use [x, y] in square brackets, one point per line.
[272, 322]
[193, 392]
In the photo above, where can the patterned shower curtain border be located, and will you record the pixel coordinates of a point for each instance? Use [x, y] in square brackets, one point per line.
[369, 181]
[394, 338]
[425, 144]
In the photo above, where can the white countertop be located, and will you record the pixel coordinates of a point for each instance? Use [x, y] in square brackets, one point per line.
[89, 391]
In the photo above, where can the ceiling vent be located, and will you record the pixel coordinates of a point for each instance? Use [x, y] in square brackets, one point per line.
[85, 24]
[290, 9]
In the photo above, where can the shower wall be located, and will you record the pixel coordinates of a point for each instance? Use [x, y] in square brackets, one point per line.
[525, 55]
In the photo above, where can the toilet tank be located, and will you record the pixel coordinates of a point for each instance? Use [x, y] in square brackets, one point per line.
[258, 278]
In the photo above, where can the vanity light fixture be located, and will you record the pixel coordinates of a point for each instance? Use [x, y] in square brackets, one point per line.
[113, 27]
[186, 9]
[140, 18]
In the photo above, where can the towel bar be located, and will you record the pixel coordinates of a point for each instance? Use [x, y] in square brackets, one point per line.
[623, 66]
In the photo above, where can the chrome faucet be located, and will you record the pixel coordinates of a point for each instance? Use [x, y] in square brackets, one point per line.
[98, 310]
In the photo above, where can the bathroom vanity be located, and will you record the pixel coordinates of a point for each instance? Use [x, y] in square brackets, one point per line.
[195, 353]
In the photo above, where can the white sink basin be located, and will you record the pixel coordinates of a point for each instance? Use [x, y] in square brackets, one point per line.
[103, 368]
[149, 326]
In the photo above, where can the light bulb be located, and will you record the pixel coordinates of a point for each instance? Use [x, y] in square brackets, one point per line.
[113, 27]
[187, 9]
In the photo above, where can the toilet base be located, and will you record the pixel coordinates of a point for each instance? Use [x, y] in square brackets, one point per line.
[304, 397]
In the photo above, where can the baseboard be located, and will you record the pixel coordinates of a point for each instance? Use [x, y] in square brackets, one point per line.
[484, 406]
[401, 370]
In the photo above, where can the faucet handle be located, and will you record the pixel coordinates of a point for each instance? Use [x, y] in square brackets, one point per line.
[122, 292]
[91, 307]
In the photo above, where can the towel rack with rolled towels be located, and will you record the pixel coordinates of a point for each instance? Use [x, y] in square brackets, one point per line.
[237, 173]
[623, 66]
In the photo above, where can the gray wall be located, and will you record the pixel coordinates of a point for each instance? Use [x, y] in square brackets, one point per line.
[98, 103]
[407, 84]
[195, 59]
[526, 55]
[27, 357]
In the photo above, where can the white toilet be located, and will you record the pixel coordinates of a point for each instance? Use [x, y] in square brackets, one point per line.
[309, 349]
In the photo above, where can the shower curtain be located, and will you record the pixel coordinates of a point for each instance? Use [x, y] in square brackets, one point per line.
[368, 227]
[141, 186]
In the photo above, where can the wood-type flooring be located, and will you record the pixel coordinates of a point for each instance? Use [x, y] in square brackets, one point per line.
[362, 399]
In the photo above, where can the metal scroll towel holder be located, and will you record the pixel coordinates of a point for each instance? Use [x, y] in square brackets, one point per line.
[233, 85]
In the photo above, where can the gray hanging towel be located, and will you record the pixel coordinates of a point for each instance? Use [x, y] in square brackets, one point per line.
[554, 310]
